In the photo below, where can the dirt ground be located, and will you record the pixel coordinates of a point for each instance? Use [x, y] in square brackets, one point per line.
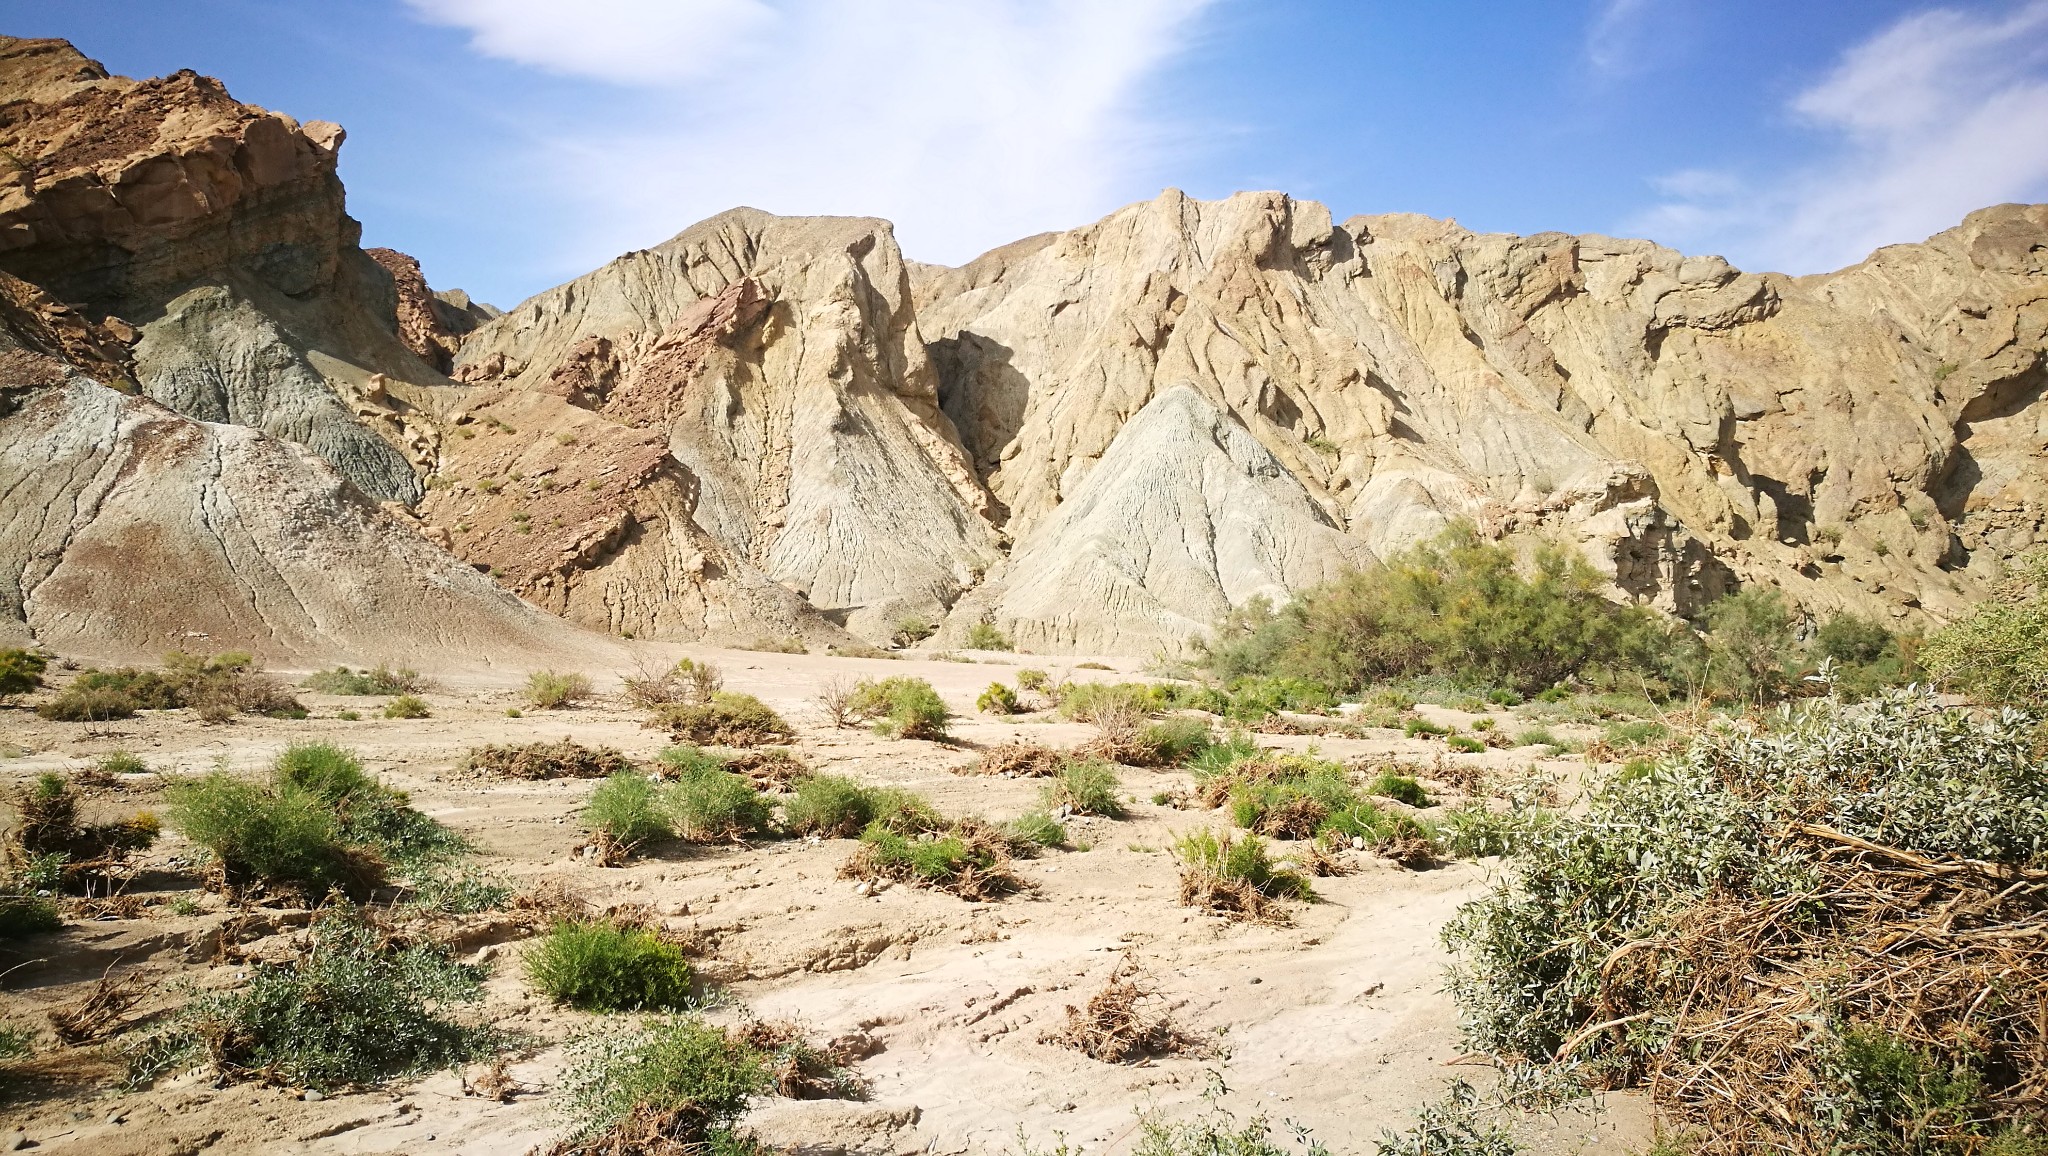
[1337, 1021]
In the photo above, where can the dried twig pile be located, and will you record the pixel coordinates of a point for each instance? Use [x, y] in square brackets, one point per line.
[1114, 1029]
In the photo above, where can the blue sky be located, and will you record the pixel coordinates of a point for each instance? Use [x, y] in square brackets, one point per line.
[511, 144]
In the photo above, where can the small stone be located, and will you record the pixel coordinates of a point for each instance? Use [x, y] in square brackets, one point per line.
[1357, 843]
[1256, 979]
[315, 1095]
[18, 1142]
[116, 1118]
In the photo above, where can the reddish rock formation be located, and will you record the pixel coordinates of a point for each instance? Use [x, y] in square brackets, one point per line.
[420, 324]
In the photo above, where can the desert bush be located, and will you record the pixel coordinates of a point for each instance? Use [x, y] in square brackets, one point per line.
[669, 1085]
[23, 912]
[1999, 653]
[858, 650]
[1036, 681]
[1175, 741]
[709, 804]
[1459, 607]
[1020, 760]
[1036, 829]
[1219, 756]
[360, 1007]
[1749, 910]
[407, 706]
[1750, 645]
[1455, 1125]
[998, 699]
[381, 681]
[829, 805]
[543, 760]
[1089, 701]
[688, 681]
[47, 830]
[908, 708]
[77, 703]
[971, 860]
[1465, 744]
[729, 719]
[21, 671]
[218, 686]
[607, 968]
[288, 838]
[1234, 877]
[553, 690]
[911, 629]
[1114, 1029]
[1398, 787]
[786, 644]
[623, 814]
[985, 636]
[1086, 787]
[120, 763]
[836, 699]
[801, 1070]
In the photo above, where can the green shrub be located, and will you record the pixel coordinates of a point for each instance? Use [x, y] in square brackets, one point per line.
[625, 813]
[1089, 701]
[1459, 607]
[709, 804]
[911, 629]
[1086, 787]
[680, 1072]
[997, 699]
[1175, 741]
[828, 805]
[1398, 787]
[1037, 828]
[985, 636]
[407, 706]
[903, 811]
[88, 704]
[1289, 796]
[552, 690]
[607, 968]
[1999, 653]
[360, 1007]
[1218, 757]
[1423, 728]
[330, 773]
[1035, 681]
[970, 861]
[1256, 697]
[121, 763]
[1233, 876]
[24, 913]
[381, 681]
[1786, 859]
[1465, 744]
[908, 708]
[728, 720]
[21, 671]
[1750, 645]
[1452, 1126]
[288, 837]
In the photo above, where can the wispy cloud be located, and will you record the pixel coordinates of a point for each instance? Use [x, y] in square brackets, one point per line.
[1939, 114]
[1614, 38]
[969, 125]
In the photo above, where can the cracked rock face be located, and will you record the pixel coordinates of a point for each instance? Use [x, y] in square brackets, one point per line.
[127, 530]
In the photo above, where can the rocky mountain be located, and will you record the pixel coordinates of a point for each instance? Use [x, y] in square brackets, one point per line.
[1097, 440]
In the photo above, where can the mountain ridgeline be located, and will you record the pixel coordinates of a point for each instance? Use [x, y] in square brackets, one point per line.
[225, 420]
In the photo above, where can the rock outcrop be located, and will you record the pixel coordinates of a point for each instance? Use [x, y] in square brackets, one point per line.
[127, 530]
[1691, 425]
[1185, 517]
[780, 361]
[171, 205]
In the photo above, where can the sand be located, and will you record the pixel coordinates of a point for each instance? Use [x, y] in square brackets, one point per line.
[1337, 1021]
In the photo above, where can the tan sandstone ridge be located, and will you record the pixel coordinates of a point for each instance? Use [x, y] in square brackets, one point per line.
[1096, 440]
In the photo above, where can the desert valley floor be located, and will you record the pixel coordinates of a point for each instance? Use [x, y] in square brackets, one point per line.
[1337, 1021]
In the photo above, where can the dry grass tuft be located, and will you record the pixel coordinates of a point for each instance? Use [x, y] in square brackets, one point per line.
[558, 760]
[773, 769]
[1019, 760]
[100, 1013]
[1114, 1029]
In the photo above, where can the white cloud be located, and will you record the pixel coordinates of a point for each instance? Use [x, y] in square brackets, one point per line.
[1941, 113]
[1614, 39]
[968, 124]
